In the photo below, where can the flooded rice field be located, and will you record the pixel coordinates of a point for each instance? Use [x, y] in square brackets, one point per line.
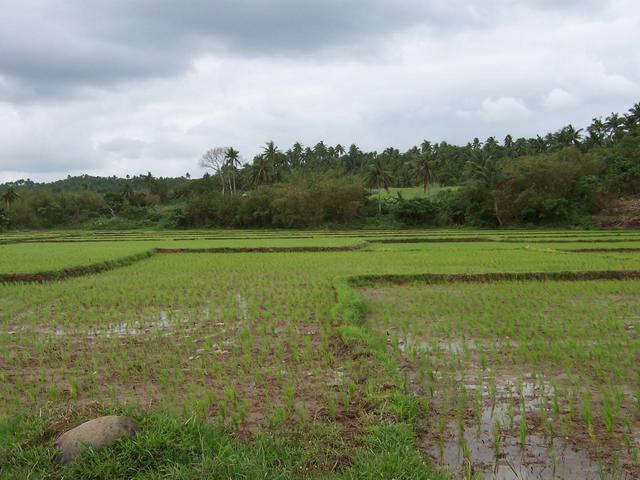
[537, 387]
[503, 437]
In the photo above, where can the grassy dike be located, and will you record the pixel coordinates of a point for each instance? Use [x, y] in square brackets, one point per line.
[79, 271]
[389, 448]
[381, 442]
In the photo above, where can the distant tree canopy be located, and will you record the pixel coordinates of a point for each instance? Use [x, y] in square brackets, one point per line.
[559, 178]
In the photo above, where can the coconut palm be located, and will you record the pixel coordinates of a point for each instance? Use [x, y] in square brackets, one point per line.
[539, 144]
[10, 196]
[596, 131]
[632, 119]
[422, 169]
[490, 143]
[573, 136]
[127, 192]
[262, 170]
[232, 158]
[296, 156]
[634, 114]
[567, 136]
[614, 125]
[353, 159]
[488, 171]
[508, 141]
[379, 176]
[275, 157]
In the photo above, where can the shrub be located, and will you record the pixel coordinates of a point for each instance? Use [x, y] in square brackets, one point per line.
[4, 219]
[414, 211]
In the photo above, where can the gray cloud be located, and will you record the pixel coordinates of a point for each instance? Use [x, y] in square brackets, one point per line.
[54, 48]
[129, 86]
[48, 49]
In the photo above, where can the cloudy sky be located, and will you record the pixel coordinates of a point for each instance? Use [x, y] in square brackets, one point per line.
[126, 86]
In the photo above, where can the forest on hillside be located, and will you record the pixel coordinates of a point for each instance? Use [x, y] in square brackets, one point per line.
[563, 178]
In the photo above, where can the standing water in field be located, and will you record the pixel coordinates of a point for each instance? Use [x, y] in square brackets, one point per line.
[521, 380]
[243, 307]
[501, 438]
[494, 451]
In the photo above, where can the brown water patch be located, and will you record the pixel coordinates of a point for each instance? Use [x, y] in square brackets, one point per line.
[508, 430]
[492, 444]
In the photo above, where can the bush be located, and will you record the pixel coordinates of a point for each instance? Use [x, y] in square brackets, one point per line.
[199, 211]
[414, 211]
[5, 222]
[303, 201]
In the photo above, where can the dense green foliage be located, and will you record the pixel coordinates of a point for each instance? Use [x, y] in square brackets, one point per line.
[303, 201]
[560, 179]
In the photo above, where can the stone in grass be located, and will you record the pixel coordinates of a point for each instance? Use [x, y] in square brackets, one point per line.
[97, 433]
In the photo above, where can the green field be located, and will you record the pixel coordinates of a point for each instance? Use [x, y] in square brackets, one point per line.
[324, 354]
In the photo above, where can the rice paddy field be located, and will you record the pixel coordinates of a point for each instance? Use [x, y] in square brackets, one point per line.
[426, 354]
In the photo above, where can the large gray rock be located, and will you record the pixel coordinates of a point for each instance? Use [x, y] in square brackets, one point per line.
[97, 433]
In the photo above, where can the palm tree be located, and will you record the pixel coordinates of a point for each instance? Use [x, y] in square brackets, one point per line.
[629, 122]
[296, 155]
[379, 176]
[261, 170]
[508, 141]
[539, 144]
[127, 191]
[275, 157]
[320, 156]
[567, 136]
[232, 158]
[488, 171]
[573, 136]
[422, 168]
[596, 131]
[521, 147]
[508, 144]
[490, 143]
[353, 160]
[614, 124]
[634, 114]
[10, 196]
[550, 140]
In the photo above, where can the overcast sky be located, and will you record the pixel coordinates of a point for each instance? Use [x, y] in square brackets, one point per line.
[126, 86]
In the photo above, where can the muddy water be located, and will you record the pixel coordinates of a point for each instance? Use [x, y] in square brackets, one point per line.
[167, 323]
[243, 307]
[541, 458]
[489, 443]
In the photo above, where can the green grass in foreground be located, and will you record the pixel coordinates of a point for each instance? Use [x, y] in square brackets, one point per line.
[169, 447]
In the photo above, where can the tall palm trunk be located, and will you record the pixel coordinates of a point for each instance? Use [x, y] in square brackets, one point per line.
[496, 211]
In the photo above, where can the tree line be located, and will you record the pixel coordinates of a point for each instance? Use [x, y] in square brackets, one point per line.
[559, 178]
